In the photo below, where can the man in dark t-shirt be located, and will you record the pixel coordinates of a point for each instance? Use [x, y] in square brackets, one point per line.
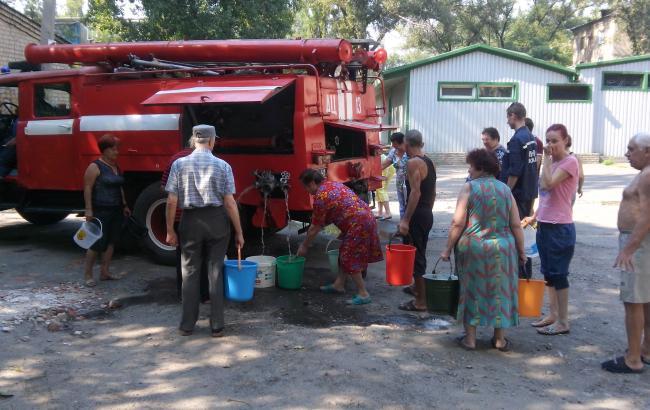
[520, 166]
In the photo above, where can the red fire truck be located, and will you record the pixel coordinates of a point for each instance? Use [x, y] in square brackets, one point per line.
[279, 106]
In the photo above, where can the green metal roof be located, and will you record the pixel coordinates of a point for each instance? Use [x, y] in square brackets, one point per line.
[624, 60]
[501, 52]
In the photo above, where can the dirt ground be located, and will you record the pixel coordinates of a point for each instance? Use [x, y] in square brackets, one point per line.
[300, 349]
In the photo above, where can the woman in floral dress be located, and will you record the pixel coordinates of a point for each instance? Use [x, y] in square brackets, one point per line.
[335, 203]
[489, 243]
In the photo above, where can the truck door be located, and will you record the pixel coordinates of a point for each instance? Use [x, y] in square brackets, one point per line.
[47, 157]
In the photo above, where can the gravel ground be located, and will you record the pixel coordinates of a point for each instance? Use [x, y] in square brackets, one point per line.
[116, 345]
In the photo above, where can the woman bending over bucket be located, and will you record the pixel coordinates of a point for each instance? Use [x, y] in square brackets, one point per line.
[335, 203]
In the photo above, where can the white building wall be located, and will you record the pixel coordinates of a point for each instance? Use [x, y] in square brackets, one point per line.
[450, 126]
[618, 114]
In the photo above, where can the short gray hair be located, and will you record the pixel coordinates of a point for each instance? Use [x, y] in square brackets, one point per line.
[413, 138]
[203, 133]
[642, 139]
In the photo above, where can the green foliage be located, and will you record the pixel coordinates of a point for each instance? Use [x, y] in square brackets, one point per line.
[634, 16]
[189, 19]
[34, 10]
[350, 19]
[73, 8]
[541, 30]
[608, 162]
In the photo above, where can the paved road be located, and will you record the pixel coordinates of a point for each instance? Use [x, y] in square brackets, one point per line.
[300, 349]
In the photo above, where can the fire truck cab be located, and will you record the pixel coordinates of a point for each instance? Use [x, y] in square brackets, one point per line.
[279, 106]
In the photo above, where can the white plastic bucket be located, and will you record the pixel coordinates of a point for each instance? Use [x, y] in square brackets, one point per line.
[265, 270]
[530, 242]
[88, 233]
[332, 257]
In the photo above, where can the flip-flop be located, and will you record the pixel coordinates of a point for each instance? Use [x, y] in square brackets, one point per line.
[358, 300]
[505, 348]
[330, 289]
[408, 290]
[618, 366]
[387, 218]
[552, 331]
[109, 277]
[460, 340]
[541, 324]
[90, 283]
[410, 307]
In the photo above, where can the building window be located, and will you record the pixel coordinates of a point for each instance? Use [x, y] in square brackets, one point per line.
[496, 91]
[569, 92]
[629, 81]
[450, 91]
[477, 91]
[52, 100]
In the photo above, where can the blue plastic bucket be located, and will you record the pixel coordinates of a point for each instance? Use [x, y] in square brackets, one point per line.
[239, 284]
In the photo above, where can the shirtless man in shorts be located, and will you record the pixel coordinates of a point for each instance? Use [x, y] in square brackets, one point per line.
[634, 260]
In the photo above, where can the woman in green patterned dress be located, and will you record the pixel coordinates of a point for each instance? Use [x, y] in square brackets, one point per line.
[489, 243]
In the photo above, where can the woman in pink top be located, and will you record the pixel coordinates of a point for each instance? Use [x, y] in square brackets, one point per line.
[556, 233]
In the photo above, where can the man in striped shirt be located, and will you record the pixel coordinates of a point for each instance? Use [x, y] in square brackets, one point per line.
[203, 186]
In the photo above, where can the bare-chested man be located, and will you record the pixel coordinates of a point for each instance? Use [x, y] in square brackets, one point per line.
[634, 260]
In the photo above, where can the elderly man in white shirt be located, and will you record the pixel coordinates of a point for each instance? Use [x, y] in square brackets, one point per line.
[204, 187]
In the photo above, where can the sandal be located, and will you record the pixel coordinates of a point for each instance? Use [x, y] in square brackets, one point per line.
[90, 283]
[504, 348]
[408, 290]
[461, 342]
[330, 289]
[552, 331]
[618, 365]
[109, 277]
[410, 307]
[358, 300]
[542, 323]
[217, 332]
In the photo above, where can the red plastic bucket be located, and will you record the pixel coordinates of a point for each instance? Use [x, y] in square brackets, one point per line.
[399, 264]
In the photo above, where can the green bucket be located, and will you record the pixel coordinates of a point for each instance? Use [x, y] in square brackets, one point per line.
[290, 270]
[442, 292]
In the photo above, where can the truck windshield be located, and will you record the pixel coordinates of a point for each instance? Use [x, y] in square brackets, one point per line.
[250, 128]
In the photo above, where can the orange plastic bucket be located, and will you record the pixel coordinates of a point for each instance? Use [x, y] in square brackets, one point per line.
[400, 260]
[531, 297]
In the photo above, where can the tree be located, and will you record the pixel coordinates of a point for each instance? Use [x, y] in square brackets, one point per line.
[73, 8]
[34, 10]
[351, 19]
[199, 19]
[634, 16]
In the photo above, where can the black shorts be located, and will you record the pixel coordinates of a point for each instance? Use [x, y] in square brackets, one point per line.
[112, 219]
[419, 228]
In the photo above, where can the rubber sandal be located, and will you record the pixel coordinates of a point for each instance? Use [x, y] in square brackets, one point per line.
[90, 283]
[552, 331]
[505, 348]
[109, 277]
[408, 290]
[358, 300]
[410, 307]
[387, 218]
[217, 332]
[330, 289]
[184, 332]
[539, 323]
[618, 366]
[461, 342]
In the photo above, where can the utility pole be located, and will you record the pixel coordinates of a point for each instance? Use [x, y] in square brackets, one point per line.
[47, 22]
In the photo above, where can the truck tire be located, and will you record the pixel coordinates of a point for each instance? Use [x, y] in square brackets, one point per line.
[149, 209]
[42, 218]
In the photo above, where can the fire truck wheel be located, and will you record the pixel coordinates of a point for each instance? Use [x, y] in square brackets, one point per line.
[149, 209]
[42, 218]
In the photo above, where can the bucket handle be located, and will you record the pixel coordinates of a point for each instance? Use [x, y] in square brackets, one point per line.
[101, 227]
[395, 235]
[451, 267]
[327, 247]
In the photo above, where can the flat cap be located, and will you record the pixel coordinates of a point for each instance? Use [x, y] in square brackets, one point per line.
[203, 131]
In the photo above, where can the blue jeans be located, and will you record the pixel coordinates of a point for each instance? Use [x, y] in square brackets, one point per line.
[401, 198]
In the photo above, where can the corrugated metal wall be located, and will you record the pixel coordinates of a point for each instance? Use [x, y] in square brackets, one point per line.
[452, 126]
[618, 114]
